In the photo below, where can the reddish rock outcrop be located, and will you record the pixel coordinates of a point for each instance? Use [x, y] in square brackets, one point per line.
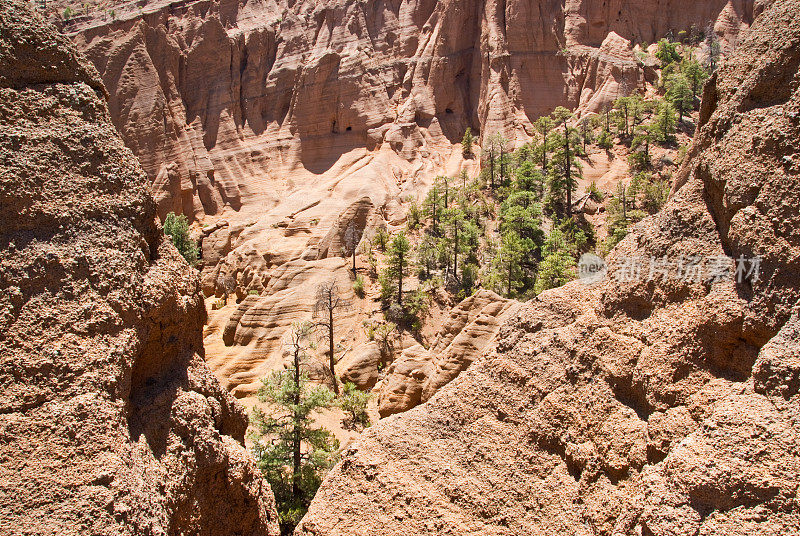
[653, 406]
[110, 421]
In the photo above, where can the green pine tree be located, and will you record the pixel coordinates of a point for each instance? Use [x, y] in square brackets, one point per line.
[289, 450]
[667, 52]
[507, 271]
[695, 74]
[528, 178]
[664, 122]
[679, 93]
[398, 261]
[433, 205]
[466, 143]
[544, 125]
[558, 263]
[564, 174]
[454, 235]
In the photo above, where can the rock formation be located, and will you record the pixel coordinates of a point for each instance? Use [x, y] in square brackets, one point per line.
[222, 100]
[419, 372]
[642, 405]
[274, 117]
[110, 421]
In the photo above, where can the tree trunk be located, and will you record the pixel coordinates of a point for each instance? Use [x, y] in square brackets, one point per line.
[296, 436]
[400, 278]
[330, 349]
[455, 249]
[624, 206]
[502, 167]
[510, 268]
[567, 168]
[626, 120]
[491, 166]
[435, 204]
[544, 158]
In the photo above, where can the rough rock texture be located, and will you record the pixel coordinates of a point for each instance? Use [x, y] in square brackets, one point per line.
[419, 372]
[110, 421]
[276, 116]
[654, 406]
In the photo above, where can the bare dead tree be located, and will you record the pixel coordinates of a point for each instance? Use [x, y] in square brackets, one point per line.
[228, 286]
[328, 302]
[352, 237]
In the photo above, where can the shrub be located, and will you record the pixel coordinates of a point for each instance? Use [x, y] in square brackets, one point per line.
[594, 192]
[383, 334]
[177, 228]
[639, 160]
[358, 286]
[418, 304]
[381, 239]
[395, 314]
[656, 193]
[387, 286]
[604, 140]
[415, 216]
[354, 401]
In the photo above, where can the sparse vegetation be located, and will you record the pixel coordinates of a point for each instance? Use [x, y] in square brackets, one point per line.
[354, 402]
[594, 193]
[358, 286]
[177, 228]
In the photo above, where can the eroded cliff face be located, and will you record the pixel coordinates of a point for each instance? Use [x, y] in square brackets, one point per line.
[110, 421]
[653, 406]
[223, 101]
[274, 124]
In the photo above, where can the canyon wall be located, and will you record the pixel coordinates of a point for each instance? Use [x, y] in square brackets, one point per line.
[231, 102]
[275, 124]
[110, 421]
[661, 404]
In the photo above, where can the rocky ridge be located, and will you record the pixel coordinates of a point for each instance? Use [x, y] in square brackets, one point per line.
[652, 406]
[110, 421]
